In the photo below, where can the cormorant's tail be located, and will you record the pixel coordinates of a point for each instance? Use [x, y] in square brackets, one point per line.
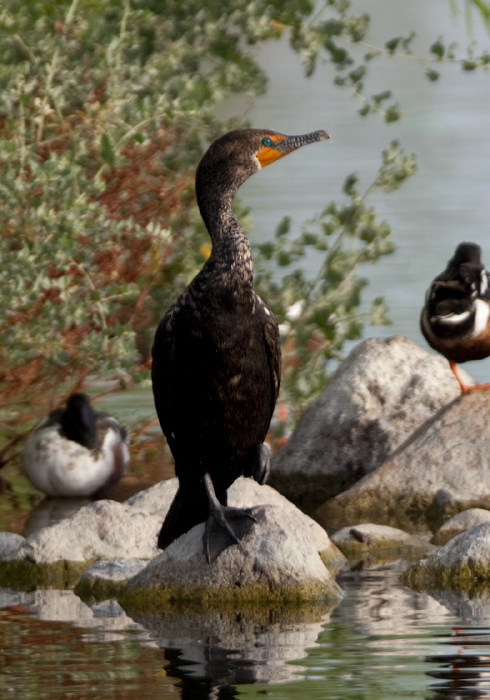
[183, 514]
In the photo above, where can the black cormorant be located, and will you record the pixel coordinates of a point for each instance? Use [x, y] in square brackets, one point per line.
[456, 317]
[217, 354]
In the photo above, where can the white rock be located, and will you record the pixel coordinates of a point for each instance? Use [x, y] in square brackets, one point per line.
[9, 542]
[274, 556]
[461, 564]
[111, 531]
[470, 550]
[115, 571]
[101, 530]
[370, 535]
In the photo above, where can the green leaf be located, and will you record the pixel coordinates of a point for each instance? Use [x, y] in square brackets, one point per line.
[106, 150]
[283, 227]
[438, 49]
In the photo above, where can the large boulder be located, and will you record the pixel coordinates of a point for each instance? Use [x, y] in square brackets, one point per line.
[382, 392]
[277, 561]
[441, 469]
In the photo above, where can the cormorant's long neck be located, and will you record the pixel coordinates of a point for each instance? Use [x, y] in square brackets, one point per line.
[230, 262]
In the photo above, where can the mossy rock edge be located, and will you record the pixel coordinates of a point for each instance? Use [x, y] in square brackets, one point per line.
[254, 598]
[26, 576]
[465, 579]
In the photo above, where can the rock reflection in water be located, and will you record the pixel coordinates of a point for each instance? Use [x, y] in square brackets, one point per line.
[464, 672]
[107, 618]
[212, 652]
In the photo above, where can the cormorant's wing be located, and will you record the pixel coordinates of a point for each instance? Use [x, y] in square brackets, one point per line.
[273, 346]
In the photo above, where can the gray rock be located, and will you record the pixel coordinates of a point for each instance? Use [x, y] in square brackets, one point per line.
[441, 469]
[114, 571]
[461, 522]
[102, 530]
[104, 578]
[459, 565]
[382, 392]
[355, 541]
[109, 530]
[276, 561]
[243, 493]
[9, 542]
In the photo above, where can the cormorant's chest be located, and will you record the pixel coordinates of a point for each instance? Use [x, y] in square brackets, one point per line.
[222, 336]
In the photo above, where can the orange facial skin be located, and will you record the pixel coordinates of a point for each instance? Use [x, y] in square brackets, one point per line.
[269, 154]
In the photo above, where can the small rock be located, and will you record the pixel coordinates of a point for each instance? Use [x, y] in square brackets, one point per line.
[9, 542]
[102, 580]
[119, 570]
[382, 392]
[357, 540]
[460, 523]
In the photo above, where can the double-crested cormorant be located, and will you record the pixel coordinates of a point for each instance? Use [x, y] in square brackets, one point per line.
[76, 451]
[456, 317]
[216, 354]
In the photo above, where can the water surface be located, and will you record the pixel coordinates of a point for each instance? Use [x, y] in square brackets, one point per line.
[382, 641]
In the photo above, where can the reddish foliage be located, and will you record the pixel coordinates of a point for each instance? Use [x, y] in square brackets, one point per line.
[142, 188]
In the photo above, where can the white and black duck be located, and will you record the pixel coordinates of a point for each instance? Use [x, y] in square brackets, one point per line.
[456, 317]
[76, 451]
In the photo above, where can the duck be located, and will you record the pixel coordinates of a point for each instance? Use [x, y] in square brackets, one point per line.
[216, 356]
[455, 319]
[76, 451]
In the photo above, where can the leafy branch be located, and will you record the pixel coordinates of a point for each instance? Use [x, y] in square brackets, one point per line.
[319, 314]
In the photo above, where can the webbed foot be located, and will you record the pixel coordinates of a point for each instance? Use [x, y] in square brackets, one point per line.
[225, 526]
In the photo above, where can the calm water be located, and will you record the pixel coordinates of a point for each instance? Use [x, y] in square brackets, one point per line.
[382, 642]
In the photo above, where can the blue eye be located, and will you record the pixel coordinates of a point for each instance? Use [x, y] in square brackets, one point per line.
[267, 141]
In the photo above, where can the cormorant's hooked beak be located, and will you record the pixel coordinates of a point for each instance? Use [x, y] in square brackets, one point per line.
[283, 145]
